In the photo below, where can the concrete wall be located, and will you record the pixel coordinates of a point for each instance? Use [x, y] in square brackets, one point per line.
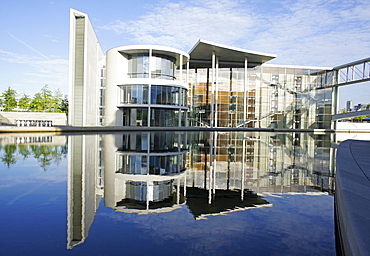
[352, 126]
[352, 197]
[85, 61]
[11, 117]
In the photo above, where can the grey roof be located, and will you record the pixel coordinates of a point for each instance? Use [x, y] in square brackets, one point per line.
[228, 56]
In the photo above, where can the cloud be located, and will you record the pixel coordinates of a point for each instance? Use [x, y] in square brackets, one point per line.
[43, 71]
[29, 46]
[316, 32]
[52, 38]
[181, 24]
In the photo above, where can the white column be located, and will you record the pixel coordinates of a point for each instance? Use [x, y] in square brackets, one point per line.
[150, 86]
[216, 102]
[245, 90]
[180, 77]
[178, 191]
[185, 184]
[214, 162]
[187, 74]
[213, 88]
[243, 166]
[187, 86]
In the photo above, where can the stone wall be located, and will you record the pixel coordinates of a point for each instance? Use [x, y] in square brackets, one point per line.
[10, 118]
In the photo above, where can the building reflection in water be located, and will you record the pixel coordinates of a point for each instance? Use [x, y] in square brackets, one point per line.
[212, 173]
[144, 172]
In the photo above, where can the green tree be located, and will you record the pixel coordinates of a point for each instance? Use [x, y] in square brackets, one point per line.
[9, 99]
[42, 101]
[47, 98]
[24, 102]
[57, 99]
[63, 106]
[9, 158]
[36, 103]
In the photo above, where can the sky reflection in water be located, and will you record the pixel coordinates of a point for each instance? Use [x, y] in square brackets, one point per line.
[286, 208]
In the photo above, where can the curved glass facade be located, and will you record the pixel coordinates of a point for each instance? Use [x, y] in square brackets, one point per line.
[162, 66]
[167, 153]
[135, 117]
[151, 90]
[160, 94]
[134, 94]
[158, 164]
[164, 117]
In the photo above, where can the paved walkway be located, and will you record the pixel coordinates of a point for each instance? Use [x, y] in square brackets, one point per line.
[352, 196]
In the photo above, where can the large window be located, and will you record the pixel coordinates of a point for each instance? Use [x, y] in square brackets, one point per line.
[168, 95]
[164, 117]
[134, 94]
[132, 164]
[164, 95]
[138, 66]
[135, 117]
[162, 66]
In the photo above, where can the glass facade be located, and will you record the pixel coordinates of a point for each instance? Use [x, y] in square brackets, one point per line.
[134, 94]
[262, 162]
[148, 167]
[157, 101]
[219, 95]
[164, 117]
[162, 67]
[135, 117]
[273, 97]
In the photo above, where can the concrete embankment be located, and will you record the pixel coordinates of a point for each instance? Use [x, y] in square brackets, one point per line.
[352, 196]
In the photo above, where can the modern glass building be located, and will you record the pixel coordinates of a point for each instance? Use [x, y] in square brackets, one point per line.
[213, 85]
[150, 88]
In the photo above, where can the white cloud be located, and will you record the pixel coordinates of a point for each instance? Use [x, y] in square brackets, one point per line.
[43, 71]
[316, 32]
[182, 24]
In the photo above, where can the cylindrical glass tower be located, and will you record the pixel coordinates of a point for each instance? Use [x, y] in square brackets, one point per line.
[146, 85]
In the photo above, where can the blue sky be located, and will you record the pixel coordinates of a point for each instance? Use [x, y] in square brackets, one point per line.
[35, 34]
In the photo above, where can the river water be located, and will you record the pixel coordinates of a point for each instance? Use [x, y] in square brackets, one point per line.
[167, 193]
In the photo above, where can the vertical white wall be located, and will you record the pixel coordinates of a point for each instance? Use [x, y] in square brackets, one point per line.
[85, 56]
[116, 71]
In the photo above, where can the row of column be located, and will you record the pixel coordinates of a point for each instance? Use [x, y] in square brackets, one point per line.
[37, 123]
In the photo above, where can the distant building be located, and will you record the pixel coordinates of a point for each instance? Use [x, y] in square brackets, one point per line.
[359, 107]
[213, 85]
[349, 105]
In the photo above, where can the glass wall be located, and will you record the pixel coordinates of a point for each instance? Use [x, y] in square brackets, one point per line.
[159, 190]
[133, 94]
[158, 142]
[165, 95]
[164, 117]
[135, 117]
[160, 94]
[274, 97]
[158, 164]
[162, 67]
[138, 66]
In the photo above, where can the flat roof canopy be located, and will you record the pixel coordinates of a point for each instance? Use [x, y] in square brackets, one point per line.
[228, 56]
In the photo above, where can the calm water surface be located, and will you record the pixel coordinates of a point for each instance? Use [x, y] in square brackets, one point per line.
[169, 193]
